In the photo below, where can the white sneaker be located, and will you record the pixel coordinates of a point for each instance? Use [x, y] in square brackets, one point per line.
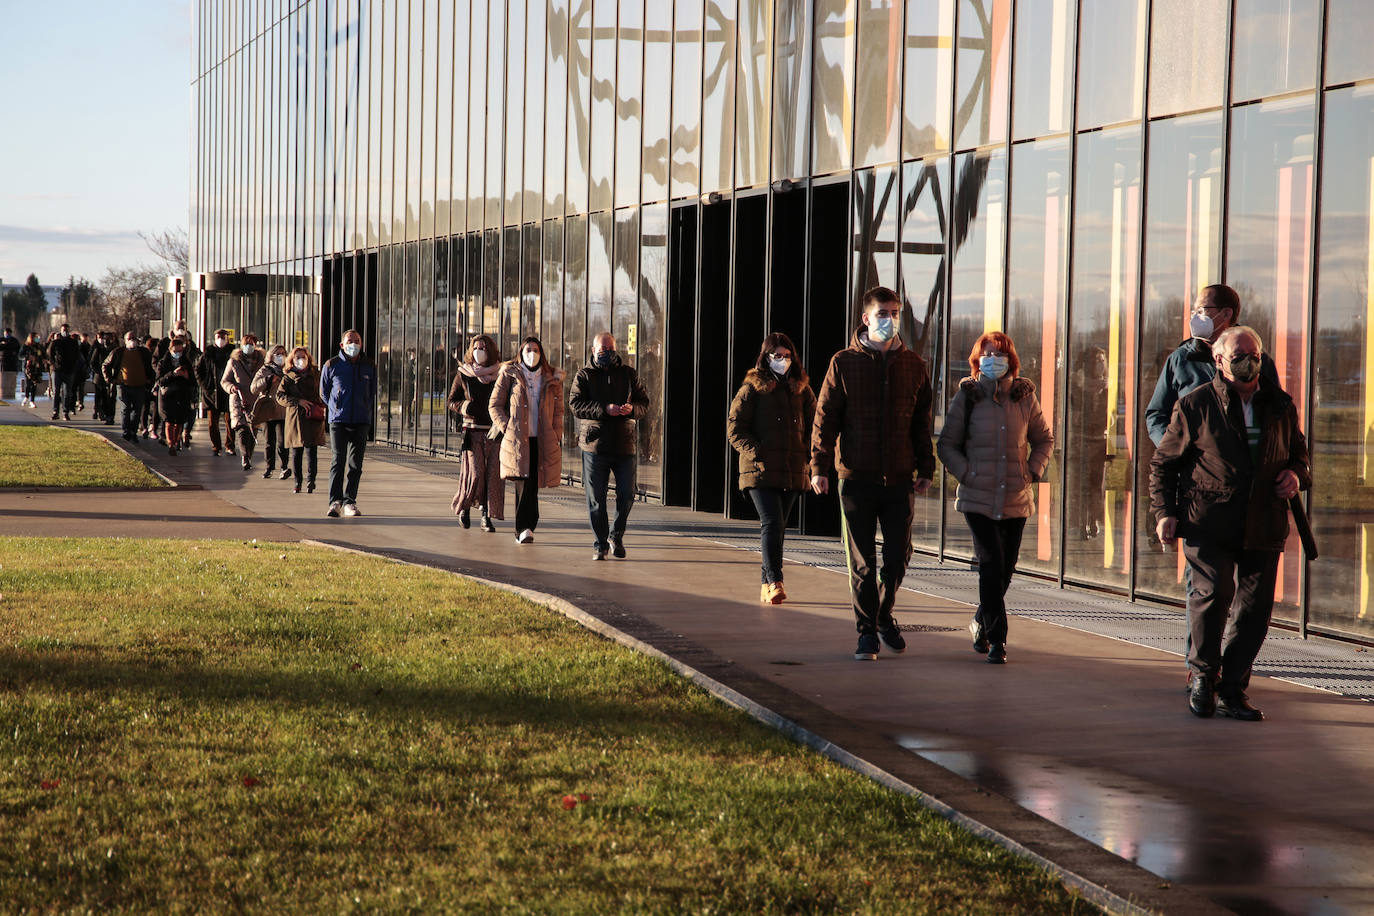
[525, 537]
[334, 509]
[350, 510]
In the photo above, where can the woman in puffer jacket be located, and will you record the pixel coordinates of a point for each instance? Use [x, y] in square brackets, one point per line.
[770, 427]
[267, 412]
[997, 445]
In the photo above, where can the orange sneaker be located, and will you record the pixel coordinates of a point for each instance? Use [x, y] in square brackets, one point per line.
[772, 593]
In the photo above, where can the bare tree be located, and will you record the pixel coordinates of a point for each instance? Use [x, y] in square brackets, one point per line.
[132, 297]
[172, 249]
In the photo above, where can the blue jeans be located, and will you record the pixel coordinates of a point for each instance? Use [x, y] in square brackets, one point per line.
[774, 506]
[596, 476]
[348, 442]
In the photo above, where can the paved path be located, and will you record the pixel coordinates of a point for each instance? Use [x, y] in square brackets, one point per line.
[1081, 748]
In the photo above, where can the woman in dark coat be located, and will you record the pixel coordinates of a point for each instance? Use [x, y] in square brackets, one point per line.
[479, 479]
[176, 392]
[298, 391]
[770, 427]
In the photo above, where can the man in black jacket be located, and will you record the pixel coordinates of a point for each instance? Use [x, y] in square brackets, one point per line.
[607, 399]
[64, 356]
[9, 364]
[1220, 479]
[209, 371]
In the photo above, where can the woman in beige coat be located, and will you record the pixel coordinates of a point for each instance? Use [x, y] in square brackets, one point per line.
[996, 444]
[267, 412]
[299, 393]
[527, 413]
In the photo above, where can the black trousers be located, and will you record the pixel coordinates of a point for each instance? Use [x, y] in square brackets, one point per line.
[596, 481]
[1230, 601]
[996, 544]
[135, 398]
[276, 444]
[864, 508]
[527, 492]
[774, 506]
[243, 435]
[63, 392]
[311, 454]
[348, 442]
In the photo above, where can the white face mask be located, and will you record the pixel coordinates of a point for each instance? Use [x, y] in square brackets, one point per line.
[479, 356]
[531, 359]
[221, 341]
[131, 344]
[247, 348]
[780, 366]
[279, 358]
[1201, 326]
[301, 363]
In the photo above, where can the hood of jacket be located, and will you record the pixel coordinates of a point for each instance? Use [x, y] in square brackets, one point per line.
[856, 342]
[767, 381]
[1014, 387]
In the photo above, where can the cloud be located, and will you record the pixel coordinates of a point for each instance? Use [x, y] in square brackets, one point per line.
[64, 235]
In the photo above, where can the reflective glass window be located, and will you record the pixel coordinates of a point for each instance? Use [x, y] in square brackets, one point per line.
[1111, 68]
[924, 224]
[600, 242]
[686, 114]
[879, 74]
[1037, 285]
[1182, 255]
[376, 112]
[1349, 23]
[832, 87]
[461, 149]
[658, 76]
[877, 203]
[513, 50]
[981, 71]
[491, 288]
[551, 292]
[1275, 47]
[1042, 88]
[555, 106]
[718, 101]
[753, 92]
[603, 104]
[496, 111]
[625, 283]
[629, 99]
[574, 324]
[1343, 398]
[477, 115]
[427, 25]
[429, 422]
[579, 104]
[531, 291]
[537, 89]
[653, 295]
[1103, 317]
[791, 88]
[511, 264]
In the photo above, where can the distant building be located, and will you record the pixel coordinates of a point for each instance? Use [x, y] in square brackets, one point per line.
[53, 294]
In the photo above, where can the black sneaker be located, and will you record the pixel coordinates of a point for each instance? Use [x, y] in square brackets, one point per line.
[598, 554]
[618, 547]
[867, 650]
[997, 655]
[980, 642]
[892, 638]
[465, 518]
[486, 523]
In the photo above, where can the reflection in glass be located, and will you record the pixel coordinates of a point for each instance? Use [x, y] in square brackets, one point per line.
[555, 106]
[410, 42]
[1187, 54]
[477, 116]
[551, 291]
[600, 241]
[531, 304]
[579, 104]
[1036, 289]
[444, 131]
[658, 74]
[424, 201]
[1276, 47]
[879, 69]
[1343, 397]
[833, 86]
[511, 264]
[1111, 48]
[491, 286]
[602, 161]
[1349, 24]
[981, 71]
[753, 92]
[876, 202]
[625, 283]
[686, 135]
[653, 293]
[1182, 255]
[922, 277]
[1103, 318]
[628, 98]
[495, 114]
[461, 150]
[1269, 255]
[574, 325]
[424, 348]
[791, 88]
[536, 90]
[1042, 88]
[717, 119]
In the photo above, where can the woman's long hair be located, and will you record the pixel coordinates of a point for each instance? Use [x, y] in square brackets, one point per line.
[493, 353]
[771, 343]
[291, 360]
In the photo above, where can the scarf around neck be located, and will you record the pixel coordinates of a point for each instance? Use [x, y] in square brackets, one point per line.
[483, 374]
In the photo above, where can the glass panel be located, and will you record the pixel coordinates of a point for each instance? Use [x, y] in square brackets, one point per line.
[876, 203]
[556, 107]
[792, 88]
[686, 135]
[579, 104]
[477, 115]
[1036, 289]
[444, 341]
[653, 295]
[1276, 47]
[491, 287]
[462, 149]
[424, 349]
[980, 211]
[1106, 270]
[981, 69]
[427, 26]
[530, 291]
[1187, 55]
[574, 327]
[600, 238]
[925, 189]
[1343, 403]
[513, 50]
[1269, 256]
[1349, 24]
[376, 112]
[536, 89]
[754, 85]
[474, 284]
[625, 283]
[879, 74]
[495, 113]
[717, 118]
[833, 87]
[1182, 255]
[510, 289]
[603, 104]
[551, 292]
[1042, 88]
[445, 134]
[405, 203]
[629, 97]
[1111, 61]
[658, 75]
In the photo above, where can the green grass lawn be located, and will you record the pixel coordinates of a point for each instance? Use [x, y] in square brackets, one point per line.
[48, 456]
[196, 725]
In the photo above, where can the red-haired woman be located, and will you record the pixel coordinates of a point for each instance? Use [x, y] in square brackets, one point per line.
[996, 444]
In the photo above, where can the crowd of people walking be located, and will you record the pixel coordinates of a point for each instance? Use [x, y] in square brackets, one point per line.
[1229, 452]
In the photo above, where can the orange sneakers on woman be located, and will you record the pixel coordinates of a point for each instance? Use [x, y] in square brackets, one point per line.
[772, 593]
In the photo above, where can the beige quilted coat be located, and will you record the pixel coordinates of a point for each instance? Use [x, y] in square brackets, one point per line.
[510, 418]
[1005, 451]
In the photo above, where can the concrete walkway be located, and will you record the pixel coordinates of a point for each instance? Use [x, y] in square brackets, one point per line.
[1081, 748]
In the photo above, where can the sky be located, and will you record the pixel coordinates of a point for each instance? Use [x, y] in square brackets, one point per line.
[94, 133]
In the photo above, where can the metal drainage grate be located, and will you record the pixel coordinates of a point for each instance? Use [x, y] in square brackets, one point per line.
[926, 628]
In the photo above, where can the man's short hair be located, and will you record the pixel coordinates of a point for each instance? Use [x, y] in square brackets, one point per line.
[222, 332]
[1223, 297]
[879, 294]
[1238, 330]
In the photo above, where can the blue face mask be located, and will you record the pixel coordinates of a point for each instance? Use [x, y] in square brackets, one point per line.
[881, 330]
[352, 350]
[993, 366]
[605, 359]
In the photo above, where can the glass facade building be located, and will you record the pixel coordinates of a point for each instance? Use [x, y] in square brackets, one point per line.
[690, 174]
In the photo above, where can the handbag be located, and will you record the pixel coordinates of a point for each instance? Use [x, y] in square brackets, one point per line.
[314, 410]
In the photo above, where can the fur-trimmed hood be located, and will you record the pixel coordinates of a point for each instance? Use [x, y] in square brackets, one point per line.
[766, 382]
[1016, 388]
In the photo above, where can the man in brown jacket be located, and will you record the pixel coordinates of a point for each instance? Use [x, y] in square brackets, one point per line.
[872, 426]
[1220, 479]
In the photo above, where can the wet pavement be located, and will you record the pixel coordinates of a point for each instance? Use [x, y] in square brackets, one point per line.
[1081, 748]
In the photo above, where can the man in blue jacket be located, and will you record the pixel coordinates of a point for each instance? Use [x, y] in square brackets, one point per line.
[348, 385]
